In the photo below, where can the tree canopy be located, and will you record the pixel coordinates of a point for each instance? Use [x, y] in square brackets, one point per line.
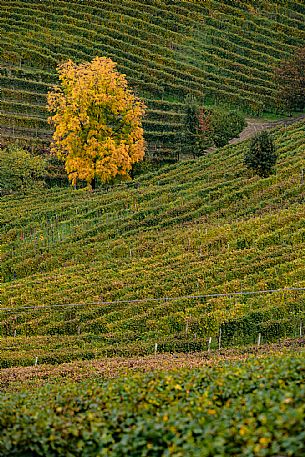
[205, 127]
[290, 80]
[97, 120]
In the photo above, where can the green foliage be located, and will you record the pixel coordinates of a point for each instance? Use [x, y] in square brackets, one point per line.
[225, 125]
[254, 408]
[195, 136]
[290, 79]
[206, 127]
[19, 170]
[261, 156]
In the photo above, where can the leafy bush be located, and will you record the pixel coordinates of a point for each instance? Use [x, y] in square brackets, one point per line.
[261, 155]
[19, 170]
[206, 127]
[253, 408]
[196, 135]
[225, 125]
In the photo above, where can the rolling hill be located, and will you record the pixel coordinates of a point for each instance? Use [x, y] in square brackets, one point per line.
[126, 253]
[165, 315]
[219, 51]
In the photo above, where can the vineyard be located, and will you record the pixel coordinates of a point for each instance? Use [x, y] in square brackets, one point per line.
[253, 407]
[135, 265]
[161, 315]
[219, 51]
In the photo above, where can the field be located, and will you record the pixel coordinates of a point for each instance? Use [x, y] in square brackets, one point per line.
[218, 51]
[112, 253]
[161, 316]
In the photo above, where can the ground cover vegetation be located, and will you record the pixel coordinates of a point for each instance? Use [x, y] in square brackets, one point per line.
[253, 408]
[233, 232]
[19, 170]
[18, 378]
[217, 51]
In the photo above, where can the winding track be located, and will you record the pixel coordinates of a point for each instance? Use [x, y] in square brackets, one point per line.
[256, 125]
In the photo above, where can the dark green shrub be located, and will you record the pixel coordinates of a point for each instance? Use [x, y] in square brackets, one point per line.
[253, 407]
[225, 125]
[261, 155]
[206, 127]
[196, 137]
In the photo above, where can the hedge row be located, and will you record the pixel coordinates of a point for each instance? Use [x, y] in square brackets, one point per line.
[255, 407]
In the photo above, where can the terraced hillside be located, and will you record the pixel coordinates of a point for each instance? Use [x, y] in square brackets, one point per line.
[216, 50]
[195, 228]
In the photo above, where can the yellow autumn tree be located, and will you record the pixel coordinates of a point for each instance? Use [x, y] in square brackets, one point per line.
[97, 121]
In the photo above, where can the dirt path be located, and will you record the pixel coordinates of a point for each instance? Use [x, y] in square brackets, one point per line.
[256, 125]
[18, 378]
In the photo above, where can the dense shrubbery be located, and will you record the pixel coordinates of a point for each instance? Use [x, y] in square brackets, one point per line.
[195, 136]
[206, 127]
[225, 125]
[19, 170]
[253, 408]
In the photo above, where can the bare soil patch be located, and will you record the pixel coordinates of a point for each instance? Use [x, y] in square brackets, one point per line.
[12, 379]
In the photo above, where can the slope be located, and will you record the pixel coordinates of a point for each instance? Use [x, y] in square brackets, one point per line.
[219, 50]
[194, 228]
